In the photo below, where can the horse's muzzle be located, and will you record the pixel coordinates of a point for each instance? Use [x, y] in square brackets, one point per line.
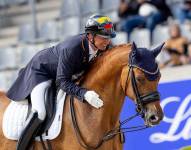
[153, 117]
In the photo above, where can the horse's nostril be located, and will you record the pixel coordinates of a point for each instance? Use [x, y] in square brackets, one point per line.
[154, 118]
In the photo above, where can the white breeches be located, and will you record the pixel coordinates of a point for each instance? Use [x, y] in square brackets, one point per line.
[38, 99]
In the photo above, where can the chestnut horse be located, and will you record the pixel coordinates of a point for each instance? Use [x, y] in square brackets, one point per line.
[113, 77]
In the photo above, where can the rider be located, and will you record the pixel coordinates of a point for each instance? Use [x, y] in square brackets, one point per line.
[58, 64]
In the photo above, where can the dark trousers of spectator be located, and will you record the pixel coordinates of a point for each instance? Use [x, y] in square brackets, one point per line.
[182, 14]
[149, 22]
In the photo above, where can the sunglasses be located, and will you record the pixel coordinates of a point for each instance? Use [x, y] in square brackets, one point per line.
[104, 36]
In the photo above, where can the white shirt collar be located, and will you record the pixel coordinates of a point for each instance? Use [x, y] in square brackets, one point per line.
[92, 53]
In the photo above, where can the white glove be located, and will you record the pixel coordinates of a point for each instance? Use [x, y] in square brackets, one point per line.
[93, 99]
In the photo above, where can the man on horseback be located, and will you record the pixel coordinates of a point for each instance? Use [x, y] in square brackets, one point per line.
[59, 64]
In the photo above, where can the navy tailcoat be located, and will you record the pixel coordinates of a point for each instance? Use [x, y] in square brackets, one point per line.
[57, 63]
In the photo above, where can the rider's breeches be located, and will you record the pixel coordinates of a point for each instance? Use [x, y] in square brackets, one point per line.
[38, 99]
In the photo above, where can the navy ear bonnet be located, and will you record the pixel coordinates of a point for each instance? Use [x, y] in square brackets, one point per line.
[144, 59]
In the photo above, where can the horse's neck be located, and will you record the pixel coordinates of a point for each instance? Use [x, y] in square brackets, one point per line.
[106, 82]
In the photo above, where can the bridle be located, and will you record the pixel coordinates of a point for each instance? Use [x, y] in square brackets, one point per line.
[141, 100]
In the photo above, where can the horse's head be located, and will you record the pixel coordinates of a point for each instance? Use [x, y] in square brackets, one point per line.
[139, 80]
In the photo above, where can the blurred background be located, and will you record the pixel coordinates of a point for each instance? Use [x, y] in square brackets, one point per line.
[28, 26]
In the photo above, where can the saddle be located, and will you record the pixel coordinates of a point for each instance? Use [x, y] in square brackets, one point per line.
[17, 113]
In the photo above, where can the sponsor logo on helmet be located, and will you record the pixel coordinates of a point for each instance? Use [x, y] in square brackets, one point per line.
[103, 20]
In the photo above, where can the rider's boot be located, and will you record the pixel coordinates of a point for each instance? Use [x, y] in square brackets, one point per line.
[28, 134]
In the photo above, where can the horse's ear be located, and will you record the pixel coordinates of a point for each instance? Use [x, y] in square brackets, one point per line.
[135, 50]
[134, 47]
[157, 50]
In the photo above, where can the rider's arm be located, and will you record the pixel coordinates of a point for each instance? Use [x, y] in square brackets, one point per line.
[67, 64]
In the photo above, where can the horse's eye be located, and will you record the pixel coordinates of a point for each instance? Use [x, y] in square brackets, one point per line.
[140, 80]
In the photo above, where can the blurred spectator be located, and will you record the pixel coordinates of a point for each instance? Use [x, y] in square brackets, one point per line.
[176, 47]
[127, 9]
[189, 55]
[144, 13]
[183, 11]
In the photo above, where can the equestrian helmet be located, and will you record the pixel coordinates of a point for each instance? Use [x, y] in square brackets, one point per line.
[100, 25]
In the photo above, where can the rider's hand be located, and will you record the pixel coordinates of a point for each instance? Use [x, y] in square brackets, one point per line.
[93, 99]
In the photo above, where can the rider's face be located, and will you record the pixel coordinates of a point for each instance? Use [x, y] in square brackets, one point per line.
[101, 42]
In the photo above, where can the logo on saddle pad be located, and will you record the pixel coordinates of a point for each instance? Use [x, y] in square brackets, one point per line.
[15, 117]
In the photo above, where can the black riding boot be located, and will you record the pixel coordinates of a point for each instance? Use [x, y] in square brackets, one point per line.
[29, 132]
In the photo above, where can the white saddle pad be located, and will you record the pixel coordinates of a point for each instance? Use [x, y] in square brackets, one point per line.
[15, 116]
